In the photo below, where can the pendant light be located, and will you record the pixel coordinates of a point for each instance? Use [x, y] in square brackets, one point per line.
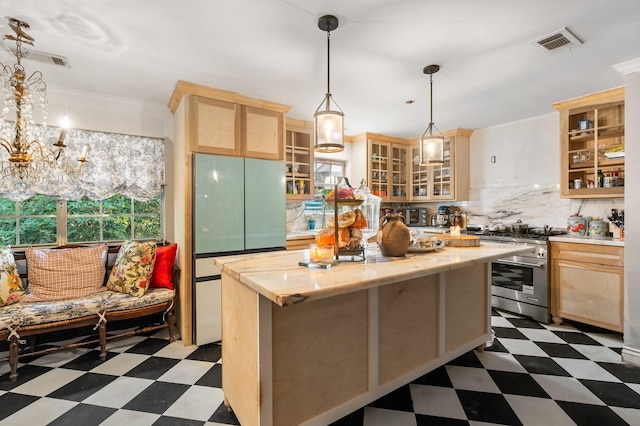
[328, 124]
[431, 144]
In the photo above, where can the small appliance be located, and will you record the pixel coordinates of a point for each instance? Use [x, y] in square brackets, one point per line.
[416, 216]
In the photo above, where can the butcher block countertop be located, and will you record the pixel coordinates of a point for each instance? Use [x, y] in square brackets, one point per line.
[278, 276]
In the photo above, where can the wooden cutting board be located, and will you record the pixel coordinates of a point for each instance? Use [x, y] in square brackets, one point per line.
[461, 241]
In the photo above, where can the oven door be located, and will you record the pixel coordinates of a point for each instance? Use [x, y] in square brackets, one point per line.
[523, 279]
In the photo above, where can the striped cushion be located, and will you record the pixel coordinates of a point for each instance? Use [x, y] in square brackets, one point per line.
[63, 274]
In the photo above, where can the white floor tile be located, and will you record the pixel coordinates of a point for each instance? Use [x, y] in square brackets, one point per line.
[566, 389]
[48, 382]
[186, 372]
[120, 364]
[635, 387]
[538, 411]
[436, 401]
[469, 378]
[176, 350]
[523, 347]
[539, 335]
[57, 359]
[598, 353]
[501, 322]
[120, 391]
[382, 417]
[629, 415]
[610, 340]
[500, 361]
[197, 403]
[130, 418]
[40, 412]
[121, 345]
[584, 369]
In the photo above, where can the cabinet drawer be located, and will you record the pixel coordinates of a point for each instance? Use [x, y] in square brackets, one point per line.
[588, 253]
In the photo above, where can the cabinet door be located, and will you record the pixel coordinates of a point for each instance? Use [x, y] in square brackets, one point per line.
[208, 312]
[379, 168]
[398, 171]
[442, 182]
[299, 161]
[215, 126]
[265, 204]
[262, 133]
[589, 293]
[419, 177]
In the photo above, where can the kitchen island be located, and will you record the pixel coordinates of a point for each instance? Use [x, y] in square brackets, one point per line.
[308, 345]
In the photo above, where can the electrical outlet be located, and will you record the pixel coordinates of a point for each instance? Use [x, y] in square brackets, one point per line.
[493, 158]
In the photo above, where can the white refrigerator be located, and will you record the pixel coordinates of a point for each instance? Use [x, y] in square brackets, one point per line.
[238, 207]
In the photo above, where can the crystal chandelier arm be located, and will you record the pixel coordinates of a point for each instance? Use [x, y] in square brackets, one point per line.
[6, 145]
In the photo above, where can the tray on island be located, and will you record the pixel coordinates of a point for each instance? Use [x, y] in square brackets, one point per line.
[412, 249]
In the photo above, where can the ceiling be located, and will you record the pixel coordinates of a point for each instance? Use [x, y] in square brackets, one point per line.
[273, 49]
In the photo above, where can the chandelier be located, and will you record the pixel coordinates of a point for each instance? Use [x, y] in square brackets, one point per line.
[328, 124]
[26, 163]
[431, 143]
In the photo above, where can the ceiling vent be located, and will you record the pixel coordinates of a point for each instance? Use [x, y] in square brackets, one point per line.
[556, 42]
[37, 56]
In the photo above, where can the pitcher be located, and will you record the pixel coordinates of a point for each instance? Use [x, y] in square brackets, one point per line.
[394, 236]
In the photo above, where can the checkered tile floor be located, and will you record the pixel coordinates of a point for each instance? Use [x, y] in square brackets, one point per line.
[532, 375]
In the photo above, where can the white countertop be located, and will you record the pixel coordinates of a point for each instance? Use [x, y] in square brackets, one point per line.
[605, 241]
[278, 277]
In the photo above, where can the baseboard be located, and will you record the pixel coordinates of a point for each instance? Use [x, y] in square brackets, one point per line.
[631, 355]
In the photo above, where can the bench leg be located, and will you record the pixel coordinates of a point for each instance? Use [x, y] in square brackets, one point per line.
[171, 319]
[102, 335]
[14, 346]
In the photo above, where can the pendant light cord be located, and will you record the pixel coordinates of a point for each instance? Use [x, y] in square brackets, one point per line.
[328, 60]
[430, 100]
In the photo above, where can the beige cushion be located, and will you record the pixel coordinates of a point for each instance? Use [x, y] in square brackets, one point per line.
[62, 274]
[10, 285]
[132, 271]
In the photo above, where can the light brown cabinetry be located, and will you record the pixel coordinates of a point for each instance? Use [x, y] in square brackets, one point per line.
[383, 161]
[299, 159]
[448, 182]
[592, 139]
[587, 284]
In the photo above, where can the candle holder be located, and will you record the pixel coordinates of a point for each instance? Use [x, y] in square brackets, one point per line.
[455, 231]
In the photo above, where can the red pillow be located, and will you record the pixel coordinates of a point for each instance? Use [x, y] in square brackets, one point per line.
[162, 276]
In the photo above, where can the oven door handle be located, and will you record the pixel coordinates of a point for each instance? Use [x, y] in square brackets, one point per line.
[508, 262]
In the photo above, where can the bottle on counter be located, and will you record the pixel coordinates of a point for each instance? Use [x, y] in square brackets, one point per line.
[600, 179]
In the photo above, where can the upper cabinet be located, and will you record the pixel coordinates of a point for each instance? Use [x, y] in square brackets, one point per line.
[448, 182]
[299, 160]
[592, 145]
[226, 123]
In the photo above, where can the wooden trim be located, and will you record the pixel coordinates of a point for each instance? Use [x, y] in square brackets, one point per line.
[183, 88]
[606, 96]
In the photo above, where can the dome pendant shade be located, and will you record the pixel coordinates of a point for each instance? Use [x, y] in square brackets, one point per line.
[328, 123]
[431, 142]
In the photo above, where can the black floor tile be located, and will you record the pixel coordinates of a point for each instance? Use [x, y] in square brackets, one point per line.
[224, 416]
[85, 415]
[468, 359]
[25, 373]
[88, 361]
[152, 368]
[626, 372]
[173, 421]
[422, 420]
[82, 387]
[13, 402]
[560, 350]
[212, 378]
[211, 353]
[437, 377]
[157, 398]
[497, 347]
[525, 323]
[613, 394]
[540, 365]
[591, 415]
[399, 400]
[487, 407]
[148, 346]
[517, 384]
[508, 333]
[576, 338]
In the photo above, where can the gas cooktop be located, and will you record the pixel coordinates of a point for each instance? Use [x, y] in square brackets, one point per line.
[521, 237]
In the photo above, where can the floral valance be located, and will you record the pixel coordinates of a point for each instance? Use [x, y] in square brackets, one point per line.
[116, 164]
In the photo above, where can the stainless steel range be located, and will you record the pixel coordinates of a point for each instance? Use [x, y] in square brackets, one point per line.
[521, 283]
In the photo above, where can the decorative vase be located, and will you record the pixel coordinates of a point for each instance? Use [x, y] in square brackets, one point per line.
[394, 236]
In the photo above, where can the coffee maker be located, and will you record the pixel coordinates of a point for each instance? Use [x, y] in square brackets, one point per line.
[443, 218]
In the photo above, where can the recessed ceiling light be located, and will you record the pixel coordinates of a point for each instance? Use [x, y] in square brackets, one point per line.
[409, 101]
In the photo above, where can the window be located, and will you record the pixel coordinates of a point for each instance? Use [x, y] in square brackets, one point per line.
[43, 220]
[323, 169]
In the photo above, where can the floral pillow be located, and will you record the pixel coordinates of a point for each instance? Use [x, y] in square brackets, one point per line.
[10, 285]
[133, 268]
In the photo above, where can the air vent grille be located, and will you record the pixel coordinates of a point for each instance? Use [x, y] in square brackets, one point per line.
[47, 58]
[556, 42]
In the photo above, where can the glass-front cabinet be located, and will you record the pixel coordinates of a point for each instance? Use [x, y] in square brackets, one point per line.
[592, 145]
[299, 161]
[388, 169]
